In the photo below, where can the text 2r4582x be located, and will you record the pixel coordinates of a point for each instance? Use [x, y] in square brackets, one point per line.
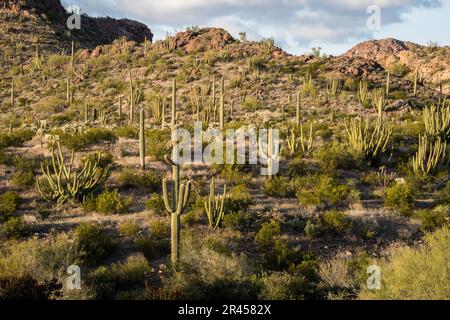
[246, 310]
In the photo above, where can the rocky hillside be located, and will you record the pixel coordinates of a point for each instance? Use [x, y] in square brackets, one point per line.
[393, 54]
[94, 31]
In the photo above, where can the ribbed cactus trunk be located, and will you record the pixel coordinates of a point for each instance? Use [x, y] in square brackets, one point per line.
[416, 79]
[214, 97]
[297, 110]
[221, 112]
[174, 105]
[131, 98]
[142, 138]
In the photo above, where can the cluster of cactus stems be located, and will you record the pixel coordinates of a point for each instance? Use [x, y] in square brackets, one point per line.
[176, 205]
[158, 108]
[429, 155]
[363, 93]
[333, 87]
[306, 145]
[379, 101]
[214, 205]
[418, 79]
[370, 141]
[437, 121]
[269, 153]
[142, 139]
[67, 183]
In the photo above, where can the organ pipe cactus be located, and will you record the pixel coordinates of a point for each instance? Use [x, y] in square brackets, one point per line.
[429, 155]
[214, 205]
[65, 183]
[333, 87]
[269, 153]
[363, 93]
[292, 141]
[437, 121]
[368, 140]
[306, 145]
[379, 101]
[142, 138]
[176, 205]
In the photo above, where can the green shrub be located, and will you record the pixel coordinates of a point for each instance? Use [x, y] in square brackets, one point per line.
[83, 140]
[336, 222]
[16, 139]
[130, 131]
[240, 220]
[9, 203]
[268, 232]
[285, 286]
[238, 199]
[401, 197]
[334, 156]
[14, 228]
[156, 143]
[311, 229]
[156, 204]
[159, 229]
[204, 274]
[149, 179]
[108, 202]
[23, 179]
[26, 288]
[322, 191]
[443, 196]
[129, 229]
[431, 220]
[93, 243]
[416, 273]
[106, 282]
[279, 187]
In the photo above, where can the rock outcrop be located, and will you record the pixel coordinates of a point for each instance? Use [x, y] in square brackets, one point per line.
[202, 40]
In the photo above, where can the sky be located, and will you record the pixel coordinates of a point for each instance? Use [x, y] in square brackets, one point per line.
[296, 25]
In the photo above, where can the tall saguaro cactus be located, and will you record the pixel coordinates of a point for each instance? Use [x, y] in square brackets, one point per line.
[131, 97]
[174, 105]
[142, 138]
[175, 205]
[214, 205]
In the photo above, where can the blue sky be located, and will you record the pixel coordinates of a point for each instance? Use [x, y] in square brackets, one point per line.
[296, 25]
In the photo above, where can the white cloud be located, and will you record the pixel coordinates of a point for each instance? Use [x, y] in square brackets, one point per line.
[294, 24]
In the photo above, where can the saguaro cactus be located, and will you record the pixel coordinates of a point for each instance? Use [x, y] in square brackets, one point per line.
[221, 111]
[214, 205]
[388, 82]
[131, 97]
[175, 205]
[142, 138]
[174, 105]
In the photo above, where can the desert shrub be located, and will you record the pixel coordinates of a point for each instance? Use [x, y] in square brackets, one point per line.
[238, 199]
[149, 179]
[334, 156]
[106, 159]
[204, 274]
[23, 179]
[16, 139]
[416, 273]
[82, 140]
[156, 143]
[283, 256]
[159, 229]
[401, 197]
[311, 229]
[9, 203]
[336, 222]
[93, 242]
[322, 191]
[50, 105]
[106, 281]
[27, 288]
[268, 232]
[14, 228]
[285, 286]
[239, 220]
[129, 131]
[335, 273]
[431, 220]
[108, 202]
[399, 69]
[443, 196]
[129, 229]
[156, 204]
[279, 187]
[233, 174]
